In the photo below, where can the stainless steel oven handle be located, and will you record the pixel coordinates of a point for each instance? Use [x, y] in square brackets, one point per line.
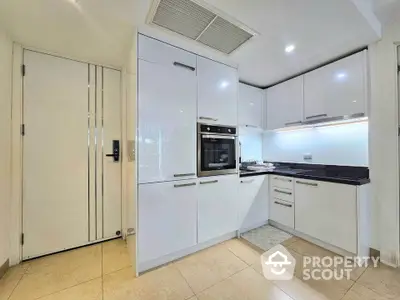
[216, 136]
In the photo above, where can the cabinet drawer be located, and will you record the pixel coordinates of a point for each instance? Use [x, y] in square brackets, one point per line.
[282, 182]
[282, 212]
[161, 53]
[282, 194]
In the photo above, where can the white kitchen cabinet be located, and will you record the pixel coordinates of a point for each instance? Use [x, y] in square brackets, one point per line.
[167, 214]
[252, 202]
[167, 122]
[285, 104]
[338, 89]
[250, 106]
[218, 207]
[161, 53]
[217, 93]
[328, 212]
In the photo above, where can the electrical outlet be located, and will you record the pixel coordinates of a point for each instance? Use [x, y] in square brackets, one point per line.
[307, 156]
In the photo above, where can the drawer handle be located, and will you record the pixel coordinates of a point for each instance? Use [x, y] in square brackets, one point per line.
[208, 118]
[248, 181]
[251, 126]
[283, 204]
[282, 192]
[184, 185]
[317, 116]
[178, 64]
[293, 123]
[208, 182]
[184, 175]
[283, 179]
[307, 183]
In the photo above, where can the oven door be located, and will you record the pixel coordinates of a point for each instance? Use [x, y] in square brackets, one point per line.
[216, 155]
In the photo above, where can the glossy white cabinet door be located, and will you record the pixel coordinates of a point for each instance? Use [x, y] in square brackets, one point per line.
[253, 201]
[161, 53]
[285, 104]
[250, 106]
[167, 123]
[167, 218]
[218, 209]
[337, 89]
[217, 93]
[327, 211]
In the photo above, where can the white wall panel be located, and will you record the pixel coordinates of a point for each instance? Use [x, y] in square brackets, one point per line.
[5, 142]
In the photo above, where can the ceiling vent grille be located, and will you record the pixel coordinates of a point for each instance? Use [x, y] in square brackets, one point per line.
[200, 24]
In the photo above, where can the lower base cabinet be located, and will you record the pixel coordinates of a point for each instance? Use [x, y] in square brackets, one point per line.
[252, 202]
[328, 212]
[167, 215]
[218, 209]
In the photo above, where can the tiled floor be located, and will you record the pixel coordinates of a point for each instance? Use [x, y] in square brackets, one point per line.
[231, 270]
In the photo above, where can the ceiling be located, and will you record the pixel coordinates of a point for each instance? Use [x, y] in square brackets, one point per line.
[101, 31]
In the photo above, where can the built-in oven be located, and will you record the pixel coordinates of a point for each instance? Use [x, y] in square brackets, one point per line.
[216, 150]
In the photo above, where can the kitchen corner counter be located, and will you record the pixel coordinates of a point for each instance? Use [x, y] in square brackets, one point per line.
[328, 173]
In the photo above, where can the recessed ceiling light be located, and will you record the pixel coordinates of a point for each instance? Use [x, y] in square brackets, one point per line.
[290, 48]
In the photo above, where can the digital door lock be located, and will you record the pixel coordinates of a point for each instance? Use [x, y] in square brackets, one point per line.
[116, 151]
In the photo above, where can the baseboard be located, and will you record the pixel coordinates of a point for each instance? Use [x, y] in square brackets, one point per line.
[244, 230]
[156, 263]
[4, 268]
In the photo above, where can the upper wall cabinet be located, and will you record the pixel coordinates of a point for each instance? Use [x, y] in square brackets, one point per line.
[167, 122]
[338, 89]
[161, 53]
[285, 104]
[250, 106]
[217, 93]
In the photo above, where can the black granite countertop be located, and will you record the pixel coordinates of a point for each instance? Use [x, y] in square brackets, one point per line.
[330, 173]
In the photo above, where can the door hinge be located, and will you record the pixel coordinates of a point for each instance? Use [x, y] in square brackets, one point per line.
[23, 129]
[22, 239]
[23, 70]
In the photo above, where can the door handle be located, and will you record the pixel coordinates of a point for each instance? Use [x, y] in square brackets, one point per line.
[116, 151]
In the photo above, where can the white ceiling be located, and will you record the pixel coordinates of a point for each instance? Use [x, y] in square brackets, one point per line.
[101, 31]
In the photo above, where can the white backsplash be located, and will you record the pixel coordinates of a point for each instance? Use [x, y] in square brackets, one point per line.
[252, 142]
[345, 144]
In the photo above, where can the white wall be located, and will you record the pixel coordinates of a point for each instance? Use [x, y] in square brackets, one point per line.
[130, 73]
[5, 143]
[345, 144]
[384, 163]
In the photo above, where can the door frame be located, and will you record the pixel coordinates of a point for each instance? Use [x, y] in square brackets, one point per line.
[16, 207]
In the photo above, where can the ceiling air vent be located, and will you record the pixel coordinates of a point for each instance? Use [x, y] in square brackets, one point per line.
[200, 24]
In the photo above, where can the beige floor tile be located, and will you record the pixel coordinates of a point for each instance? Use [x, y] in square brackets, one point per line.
[82, 264]
[382, 280]
[245, 285]
[208, 267]
[91, 290]
[359, 292]
[165, 283]
[10, 281]
[115, 256]
[315, 289]
[290, 241]
[57, 272]
[244, 251]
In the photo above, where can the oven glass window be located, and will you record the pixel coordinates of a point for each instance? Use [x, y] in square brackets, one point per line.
[217, 153]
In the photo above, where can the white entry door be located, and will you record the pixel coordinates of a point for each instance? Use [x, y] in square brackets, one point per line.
[71, 189]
